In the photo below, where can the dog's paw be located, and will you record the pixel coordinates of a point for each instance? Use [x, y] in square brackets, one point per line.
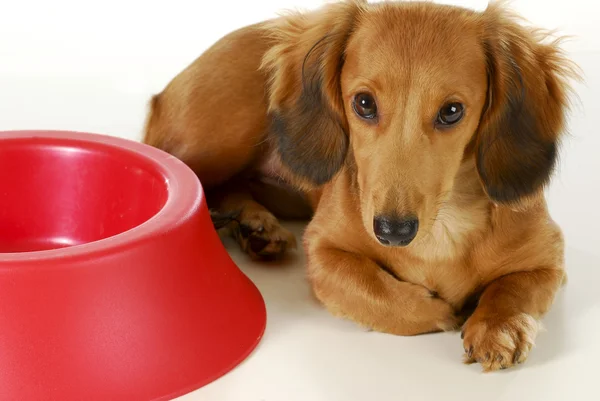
[445, 316]
[261, 236]
[423, 312]
[499, 342]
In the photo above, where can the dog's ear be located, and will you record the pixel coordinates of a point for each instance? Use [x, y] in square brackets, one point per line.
[309, 127]
[518, 137]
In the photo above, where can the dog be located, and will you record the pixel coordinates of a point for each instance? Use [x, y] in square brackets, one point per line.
[418, 139]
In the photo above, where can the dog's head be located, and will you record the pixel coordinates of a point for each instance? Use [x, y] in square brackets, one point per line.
[402, 94]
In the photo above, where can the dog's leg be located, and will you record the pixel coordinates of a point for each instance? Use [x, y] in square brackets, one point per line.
[257, 231]
[502, 330]
[355, 287]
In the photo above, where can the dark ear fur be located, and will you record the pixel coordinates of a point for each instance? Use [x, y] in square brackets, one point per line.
[518, 138]
[309, 126]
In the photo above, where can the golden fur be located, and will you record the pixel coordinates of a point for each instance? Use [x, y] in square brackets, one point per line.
[265, 118]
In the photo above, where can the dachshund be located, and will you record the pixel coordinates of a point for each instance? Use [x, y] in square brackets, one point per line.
[416, 138]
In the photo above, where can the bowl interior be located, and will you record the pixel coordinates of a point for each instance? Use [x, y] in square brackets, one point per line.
[56, 193]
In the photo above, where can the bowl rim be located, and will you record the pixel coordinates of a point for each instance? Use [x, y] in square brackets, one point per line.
[184, 197]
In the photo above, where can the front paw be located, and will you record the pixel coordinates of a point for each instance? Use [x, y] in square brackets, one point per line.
[499, 342]
[444, 314]
[426, 313]
[261, 236]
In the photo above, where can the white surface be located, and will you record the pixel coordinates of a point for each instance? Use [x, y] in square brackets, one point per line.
[91, 66]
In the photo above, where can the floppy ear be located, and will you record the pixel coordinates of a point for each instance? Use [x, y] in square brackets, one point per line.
[309, 126]
[518, 138]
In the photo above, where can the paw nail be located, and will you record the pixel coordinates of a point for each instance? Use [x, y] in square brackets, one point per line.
[517, 356]
[462, 335]
[221, 220]
[487, 356]
[499, 358]
[268, 257]
[470, 353]
[257, 244]
[245, 230]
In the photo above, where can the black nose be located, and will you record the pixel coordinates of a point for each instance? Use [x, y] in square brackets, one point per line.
[395, 231]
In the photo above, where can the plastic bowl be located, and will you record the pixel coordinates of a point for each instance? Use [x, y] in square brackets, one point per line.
[114, 284]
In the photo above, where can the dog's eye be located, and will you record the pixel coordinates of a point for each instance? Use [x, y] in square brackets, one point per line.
[450, 114]
[365, 106]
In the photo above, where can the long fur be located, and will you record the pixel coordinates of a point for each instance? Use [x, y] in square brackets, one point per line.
[268, 110]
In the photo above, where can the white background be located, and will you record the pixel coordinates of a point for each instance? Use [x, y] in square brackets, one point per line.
[92, 66]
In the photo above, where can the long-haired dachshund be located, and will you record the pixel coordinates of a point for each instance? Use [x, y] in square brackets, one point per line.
[417, 137]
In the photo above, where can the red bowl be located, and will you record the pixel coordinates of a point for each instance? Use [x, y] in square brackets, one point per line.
[114, 284]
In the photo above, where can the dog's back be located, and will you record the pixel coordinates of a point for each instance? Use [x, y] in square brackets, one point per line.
[213, 114]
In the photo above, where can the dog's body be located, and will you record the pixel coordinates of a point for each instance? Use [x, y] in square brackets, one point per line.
[417, 137]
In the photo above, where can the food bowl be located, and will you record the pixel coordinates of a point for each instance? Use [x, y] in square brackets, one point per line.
[114, 284]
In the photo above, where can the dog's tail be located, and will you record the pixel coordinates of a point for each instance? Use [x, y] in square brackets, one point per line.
[159, 130]
[152, 129]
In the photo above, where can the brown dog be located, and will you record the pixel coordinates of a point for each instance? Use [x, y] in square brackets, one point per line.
[420, 135]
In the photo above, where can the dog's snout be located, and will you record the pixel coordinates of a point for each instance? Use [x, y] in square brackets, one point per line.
[395, 231]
